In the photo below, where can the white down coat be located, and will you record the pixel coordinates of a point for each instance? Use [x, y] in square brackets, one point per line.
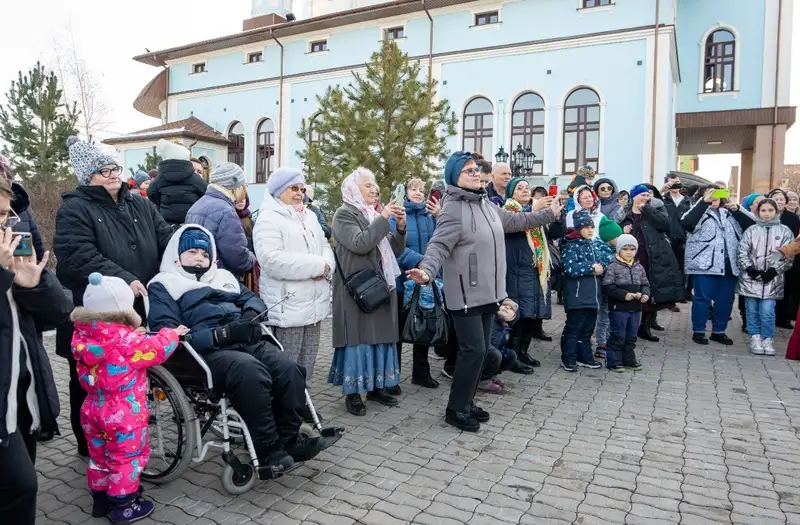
[292, 250]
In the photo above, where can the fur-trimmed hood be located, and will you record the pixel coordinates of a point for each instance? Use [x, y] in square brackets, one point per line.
[126, 317]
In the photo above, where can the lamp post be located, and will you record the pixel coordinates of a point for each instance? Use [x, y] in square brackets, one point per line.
[501, 155]
[522, 161]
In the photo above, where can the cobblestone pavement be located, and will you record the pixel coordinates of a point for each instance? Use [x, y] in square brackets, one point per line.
[702, 435]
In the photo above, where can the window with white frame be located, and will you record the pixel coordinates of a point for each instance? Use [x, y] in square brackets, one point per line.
[588, 4]
[394, 33]
[488, 18]
[255, 57]
[527, 127]
[581, 130]
[318, 47]
[265, 150]
[478, 127]
[199, 67]
[719, 62]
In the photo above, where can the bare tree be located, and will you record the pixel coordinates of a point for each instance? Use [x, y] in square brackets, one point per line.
[80, 86]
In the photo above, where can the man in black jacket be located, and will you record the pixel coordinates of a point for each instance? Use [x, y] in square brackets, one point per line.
[677, 203]
[102, 227]
[177, 186]
[31, 299]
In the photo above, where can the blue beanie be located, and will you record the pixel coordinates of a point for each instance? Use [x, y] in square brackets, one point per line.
[638, 190]
[454, 165]
[194, 238]
[581, 219]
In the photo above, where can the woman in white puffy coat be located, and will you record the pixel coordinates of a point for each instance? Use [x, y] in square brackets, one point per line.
[296, 266]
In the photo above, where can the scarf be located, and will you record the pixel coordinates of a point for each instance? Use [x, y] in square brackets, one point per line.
[626, 263]
[244, 212]
[538, 243]
[351, 194]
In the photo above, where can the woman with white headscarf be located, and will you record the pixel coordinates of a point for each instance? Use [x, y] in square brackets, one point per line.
[365, 360]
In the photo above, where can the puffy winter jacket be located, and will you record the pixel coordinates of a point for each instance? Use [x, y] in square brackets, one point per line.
[469, 246]
[179, 298]
[582, 288]
[216, 212]
[23, 313]
[610, 207]
[757, 244]
[21, 205]
[292, 251]
[419, 230]
[621, 279]
[675, 211]
[596, 214]
[176, 189]
[714, 237]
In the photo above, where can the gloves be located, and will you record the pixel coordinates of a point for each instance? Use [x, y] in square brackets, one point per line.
[250, 314]
[241, 332]
[753, 273]
[769, 275]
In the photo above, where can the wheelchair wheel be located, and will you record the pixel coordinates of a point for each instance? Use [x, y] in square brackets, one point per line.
[172, 434]
[235, 483]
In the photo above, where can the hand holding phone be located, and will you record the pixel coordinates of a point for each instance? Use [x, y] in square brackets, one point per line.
[25, 246]
[721, 194]
[399, 196]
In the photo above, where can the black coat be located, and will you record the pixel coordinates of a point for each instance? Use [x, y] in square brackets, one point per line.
[663, 270]
[40, 308]
[175, 189]
[676, 232]
[123, 239]
[21, 205]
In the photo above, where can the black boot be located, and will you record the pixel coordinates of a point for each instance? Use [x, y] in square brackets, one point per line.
[355, 405]
[522, 368]
[538, 332]
[644, 328]
[654, 323]
[274, 462]
[524, 345]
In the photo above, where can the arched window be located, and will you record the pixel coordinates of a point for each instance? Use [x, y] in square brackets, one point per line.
[265, 150]
[236, 147]
[527, 127]
[581, 130]
[720, 62]
[313, 135]
[478, 127]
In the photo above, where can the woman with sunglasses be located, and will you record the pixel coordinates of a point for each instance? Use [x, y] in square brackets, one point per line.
[469, 246]
[607, 192]
[102, 227]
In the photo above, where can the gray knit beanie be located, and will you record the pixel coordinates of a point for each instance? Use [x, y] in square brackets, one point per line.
[228, 175]
[86, 159]
[282, 178]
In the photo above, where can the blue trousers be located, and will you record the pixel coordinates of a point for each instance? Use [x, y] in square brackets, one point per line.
[622, 341]
[576, 340]
[760, 316]
[717, 288]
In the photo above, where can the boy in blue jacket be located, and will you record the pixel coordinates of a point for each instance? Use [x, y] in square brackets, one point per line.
[584, 260]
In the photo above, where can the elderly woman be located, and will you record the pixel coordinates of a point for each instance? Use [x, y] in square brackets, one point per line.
[102, 227]
[794, 202]
[786, 309]
[297, 264]
[365, 356]
[469, 246]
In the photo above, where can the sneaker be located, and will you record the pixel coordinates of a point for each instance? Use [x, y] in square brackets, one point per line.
[700, 338]
[499, 382]
[129, 509]
[594, 365]
[569, 368]
[722, 339]
[394, 390]
[600, 352]
[769, 348]
[480, 414]
[617, 368]
[448, 371]
[756, 346]
[462, 420]
[489, 387]
[636, 365]
[382, 396]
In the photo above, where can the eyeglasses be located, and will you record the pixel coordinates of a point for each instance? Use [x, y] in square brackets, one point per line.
[605, 188]
[472, 172]
[295, 188]
[106, 172]
[11, 220]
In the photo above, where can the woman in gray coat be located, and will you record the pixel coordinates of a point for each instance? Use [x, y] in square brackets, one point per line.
[364, 359]
[469, 246]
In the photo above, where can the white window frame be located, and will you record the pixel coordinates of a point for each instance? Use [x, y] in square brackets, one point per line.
[386, 29]
[737, 57]
[204, 63]
[482, 10]
[248, 54]
[317, 41]
[596, 9]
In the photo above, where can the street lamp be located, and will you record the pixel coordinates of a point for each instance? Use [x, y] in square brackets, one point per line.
[501, 156]
[522, 164]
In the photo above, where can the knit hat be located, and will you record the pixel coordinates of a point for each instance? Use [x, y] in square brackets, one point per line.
[193, 238]
[638, 190]
[626, 239]
[582, 219]
[748, 201]
[454, 165]
[107, 294]
[512, 186]
[228, 175]
[282, 178]
[586, 171]
[171, 151]
[609, 230]
[86, 159]
[140, 177]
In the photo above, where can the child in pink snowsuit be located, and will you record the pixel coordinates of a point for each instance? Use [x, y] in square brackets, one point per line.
[113, 352]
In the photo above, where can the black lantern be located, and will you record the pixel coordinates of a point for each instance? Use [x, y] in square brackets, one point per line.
[530, 156]
[501, 156]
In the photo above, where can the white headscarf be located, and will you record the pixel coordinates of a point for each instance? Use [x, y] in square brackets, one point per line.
[351, 194]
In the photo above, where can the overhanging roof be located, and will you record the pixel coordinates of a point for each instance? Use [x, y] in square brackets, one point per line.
[725, 132]
[190, 128]
[153, 94]
[329, 21]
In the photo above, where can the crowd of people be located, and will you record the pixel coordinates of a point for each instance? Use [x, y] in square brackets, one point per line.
[487, 252]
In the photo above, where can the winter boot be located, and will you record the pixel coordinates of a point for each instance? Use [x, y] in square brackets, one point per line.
[538, 331]
[303, 448]
[275, 462]
[128, 509]
[654, 323]
[769, 348]
[644, 328]
[100, 504]
[524, 343]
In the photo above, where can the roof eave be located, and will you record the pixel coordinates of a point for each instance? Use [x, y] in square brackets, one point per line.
[178, 134]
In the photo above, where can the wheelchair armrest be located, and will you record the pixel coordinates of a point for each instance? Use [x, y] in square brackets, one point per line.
[200, 361]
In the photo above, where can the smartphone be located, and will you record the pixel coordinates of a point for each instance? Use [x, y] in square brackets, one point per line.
[721, 194]
[553, 190]
[399, 195]
[437, 189]
[25, 246]
[435, 194]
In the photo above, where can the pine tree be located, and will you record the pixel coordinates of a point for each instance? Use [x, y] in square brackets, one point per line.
[151, 161]
[35, 124]
[387, 120]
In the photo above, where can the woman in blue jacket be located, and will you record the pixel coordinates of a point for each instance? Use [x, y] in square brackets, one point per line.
[420, 223]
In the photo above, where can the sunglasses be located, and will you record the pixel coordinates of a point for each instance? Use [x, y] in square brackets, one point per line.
[106, 172]
[605, 188]
[296, 188]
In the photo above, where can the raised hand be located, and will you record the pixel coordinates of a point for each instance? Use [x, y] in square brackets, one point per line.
[418, 276]
[27, 273]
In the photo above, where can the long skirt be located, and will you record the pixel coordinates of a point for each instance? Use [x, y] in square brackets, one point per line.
[793, 350]
[364, 368]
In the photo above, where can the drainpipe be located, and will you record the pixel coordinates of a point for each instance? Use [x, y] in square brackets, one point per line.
[772, 182]
[430, 44]
[655, 98]
[166, 95]
[280, 100]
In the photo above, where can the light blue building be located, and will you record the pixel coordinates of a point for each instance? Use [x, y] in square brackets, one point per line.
[623, 85]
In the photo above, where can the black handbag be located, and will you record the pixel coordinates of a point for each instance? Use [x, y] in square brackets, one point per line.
[426, 326]
[556, 268]
[367, 288]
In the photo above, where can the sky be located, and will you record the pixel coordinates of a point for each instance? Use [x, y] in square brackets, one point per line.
[108, 34]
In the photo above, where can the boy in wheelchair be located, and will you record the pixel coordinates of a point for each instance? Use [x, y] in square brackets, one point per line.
[264, 385]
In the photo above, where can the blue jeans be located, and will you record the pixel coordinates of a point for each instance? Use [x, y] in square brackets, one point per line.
[576, 340]
[717, 288]
[760, 316]
[601, 328]
[622, 341]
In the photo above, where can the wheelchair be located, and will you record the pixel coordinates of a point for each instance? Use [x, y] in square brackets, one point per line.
[189, 418]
